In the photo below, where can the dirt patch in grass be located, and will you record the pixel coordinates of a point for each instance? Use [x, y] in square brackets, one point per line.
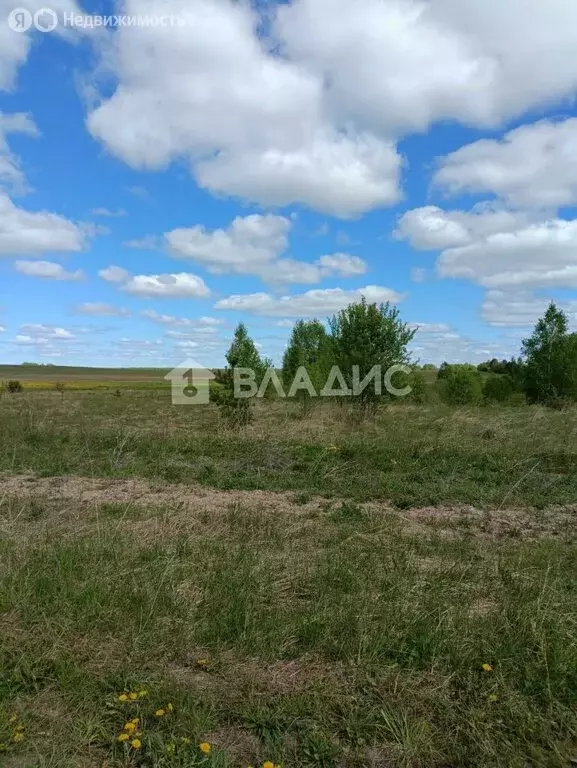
[149, 507]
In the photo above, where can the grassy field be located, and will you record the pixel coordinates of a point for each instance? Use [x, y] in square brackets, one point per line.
[47, 377]
[310, 591]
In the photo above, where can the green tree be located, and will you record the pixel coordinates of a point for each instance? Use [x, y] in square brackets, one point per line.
[242, 353]
[366, 335]
[550, 356]
[498, 388]
[309, 346]
[461, 385]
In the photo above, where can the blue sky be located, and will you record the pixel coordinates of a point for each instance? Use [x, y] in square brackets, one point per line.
[161, 182]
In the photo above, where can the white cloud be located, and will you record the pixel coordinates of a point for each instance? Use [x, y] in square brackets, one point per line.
[430, 327]
[309, 304]
[496, 248]
[399, 65]
[538, 255]
[455, 348]
[198, 332]
[101, 310]
[534, 165]
[210, 320]
[310, 111]
[186, 344]
[119, 212]
[39, 331]
[181, 285]
[520, 308]
[344, 175]
[114, 274]
[342, 264]
[205, 324]
[431, 228]
[418, 274]
[14, 46]
[252, 245]
[146, 243]
[47, 269]
[142, 343]
[251, 123]
[248, 245]
[23, 233]
[2, 329]
[139, 191]
[10, 171]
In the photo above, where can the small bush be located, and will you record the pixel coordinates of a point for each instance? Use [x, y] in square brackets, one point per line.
[420, 390]
[498, 389]
[462, 385]
[236, 412]
[14, 386]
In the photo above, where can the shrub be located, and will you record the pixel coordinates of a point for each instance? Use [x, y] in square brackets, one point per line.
[498, 388]
[420, 390]
[462, 385]
[14, 386]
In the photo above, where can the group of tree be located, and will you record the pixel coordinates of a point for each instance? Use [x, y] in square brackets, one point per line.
[359, 337]
[545, 372]
[364, 335]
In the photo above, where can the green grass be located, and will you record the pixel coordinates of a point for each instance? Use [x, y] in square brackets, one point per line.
[296, 629]
[410, 455]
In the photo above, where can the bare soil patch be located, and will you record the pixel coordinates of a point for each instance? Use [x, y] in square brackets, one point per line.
[69, 499]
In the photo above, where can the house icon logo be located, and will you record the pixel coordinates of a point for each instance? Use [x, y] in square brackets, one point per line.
[190, 383]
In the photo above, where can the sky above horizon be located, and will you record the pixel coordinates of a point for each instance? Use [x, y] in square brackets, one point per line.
[210, 161]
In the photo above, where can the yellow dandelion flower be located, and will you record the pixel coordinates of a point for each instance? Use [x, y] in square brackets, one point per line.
[135, 743]
[142, 694]
[129, 727]
[123, 737]
[135, 720]
[205, 747]
[123, 697]
[133, 696]
[160, 713]
[171, 747]
[170, 708]
[268, 764]
[492, 697]
[18, 737]
[202, 662]
[486, 667]
[185, 740]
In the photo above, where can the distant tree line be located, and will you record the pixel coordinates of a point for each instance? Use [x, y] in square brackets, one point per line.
[545, 372]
